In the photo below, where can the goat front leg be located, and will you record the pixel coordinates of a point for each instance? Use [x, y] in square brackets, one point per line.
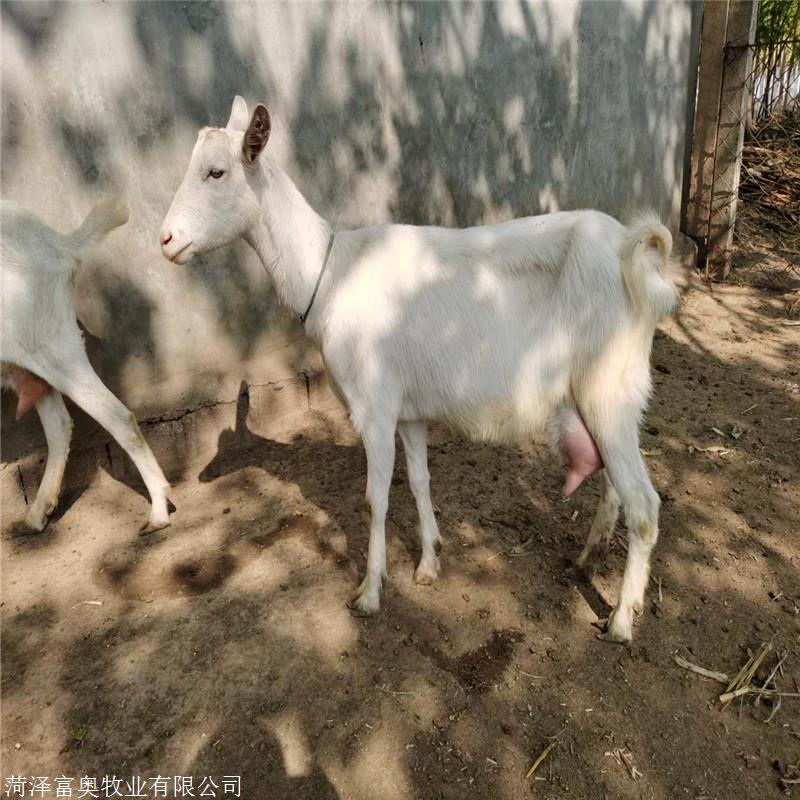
[75, 377]
[415, 443]
[57, 425]
[605, 520]
[379, 445]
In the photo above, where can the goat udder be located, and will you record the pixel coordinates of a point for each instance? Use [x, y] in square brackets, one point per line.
[582, 455]
[30, 390]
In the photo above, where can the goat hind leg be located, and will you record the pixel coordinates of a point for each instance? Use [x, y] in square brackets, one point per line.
[605, 520]
[615, 429]
[641, 503]
[415, 443]
[57, 425]
[76, 378]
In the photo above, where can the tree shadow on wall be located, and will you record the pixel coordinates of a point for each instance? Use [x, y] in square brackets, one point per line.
[476, 118]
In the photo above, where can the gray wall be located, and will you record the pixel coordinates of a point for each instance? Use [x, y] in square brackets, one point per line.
[435, 112]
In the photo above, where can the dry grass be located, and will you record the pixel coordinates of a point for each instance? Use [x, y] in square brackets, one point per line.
[768, 218]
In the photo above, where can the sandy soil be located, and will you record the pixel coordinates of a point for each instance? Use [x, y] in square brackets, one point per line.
[223, 646]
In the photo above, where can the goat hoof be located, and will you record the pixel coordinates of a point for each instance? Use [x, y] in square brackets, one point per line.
[638, 608]
[363, 606]
[36, 520]
[619, 631]
[427, 572]
[155, 524]
[367, 599]
[610, 637]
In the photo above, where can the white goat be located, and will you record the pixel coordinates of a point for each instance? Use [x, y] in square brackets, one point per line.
[43, 353]
[507, 332]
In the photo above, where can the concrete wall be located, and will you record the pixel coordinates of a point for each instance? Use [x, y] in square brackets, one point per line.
[452, 113]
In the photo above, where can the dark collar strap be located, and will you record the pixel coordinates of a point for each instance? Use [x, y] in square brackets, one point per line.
[304, 315]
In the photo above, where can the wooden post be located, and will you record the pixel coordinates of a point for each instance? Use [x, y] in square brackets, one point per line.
[730, 136]
[704, 137]
[721, 111]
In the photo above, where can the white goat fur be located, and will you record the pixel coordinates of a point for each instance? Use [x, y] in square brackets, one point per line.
[40, 334]
[505, 332]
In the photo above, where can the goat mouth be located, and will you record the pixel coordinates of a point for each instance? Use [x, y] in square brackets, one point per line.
[176, 256]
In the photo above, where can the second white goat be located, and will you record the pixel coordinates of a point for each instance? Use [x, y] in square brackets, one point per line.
[43, 353]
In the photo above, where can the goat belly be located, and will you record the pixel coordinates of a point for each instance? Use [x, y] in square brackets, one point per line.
[501, 422]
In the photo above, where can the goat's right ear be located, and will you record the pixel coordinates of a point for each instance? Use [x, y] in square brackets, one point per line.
[257, 134]
[239, 115]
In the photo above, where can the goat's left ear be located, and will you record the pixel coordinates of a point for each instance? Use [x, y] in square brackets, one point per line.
[256, 135]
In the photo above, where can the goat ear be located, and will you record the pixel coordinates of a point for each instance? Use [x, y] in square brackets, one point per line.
[256, 135]
[239, 115]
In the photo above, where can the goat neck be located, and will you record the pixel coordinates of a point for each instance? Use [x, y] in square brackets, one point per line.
[290, 238]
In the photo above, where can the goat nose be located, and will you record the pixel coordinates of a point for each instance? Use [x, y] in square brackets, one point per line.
[165, 238]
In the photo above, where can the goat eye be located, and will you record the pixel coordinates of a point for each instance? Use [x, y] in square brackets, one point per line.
[216, 173]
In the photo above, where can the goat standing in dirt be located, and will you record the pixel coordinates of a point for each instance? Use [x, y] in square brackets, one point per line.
[540, 326]
[42, 349]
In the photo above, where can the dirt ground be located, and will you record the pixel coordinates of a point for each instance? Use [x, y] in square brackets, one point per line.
[223, 645]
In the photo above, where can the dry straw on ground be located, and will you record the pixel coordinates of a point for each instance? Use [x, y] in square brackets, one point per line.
[745, 682]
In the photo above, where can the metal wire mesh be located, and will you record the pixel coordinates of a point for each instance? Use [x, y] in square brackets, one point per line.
[775, 81]
[768, 212]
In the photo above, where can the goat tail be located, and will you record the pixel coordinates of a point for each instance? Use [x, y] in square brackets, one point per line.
[100, 221]
[647, 269]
